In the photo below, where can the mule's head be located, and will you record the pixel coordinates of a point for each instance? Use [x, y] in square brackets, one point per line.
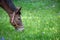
[16, 20]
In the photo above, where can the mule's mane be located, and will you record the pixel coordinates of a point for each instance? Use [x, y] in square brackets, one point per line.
[10, 4]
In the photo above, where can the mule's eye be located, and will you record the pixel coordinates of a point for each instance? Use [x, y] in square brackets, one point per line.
[18, 18]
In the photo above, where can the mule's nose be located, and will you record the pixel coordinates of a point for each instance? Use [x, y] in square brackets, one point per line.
[20, 29]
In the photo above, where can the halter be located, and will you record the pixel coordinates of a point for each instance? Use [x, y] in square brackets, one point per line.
[14, 14]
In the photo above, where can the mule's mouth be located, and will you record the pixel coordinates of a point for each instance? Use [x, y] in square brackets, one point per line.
[20, 29]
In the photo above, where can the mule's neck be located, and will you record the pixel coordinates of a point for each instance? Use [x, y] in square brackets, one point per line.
[6, 7]
[11, 4]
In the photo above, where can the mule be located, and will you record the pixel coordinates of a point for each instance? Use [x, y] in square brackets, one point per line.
[13, 12]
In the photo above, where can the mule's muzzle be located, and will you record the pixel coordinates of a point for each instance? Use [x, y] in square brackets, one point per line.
[20, 29]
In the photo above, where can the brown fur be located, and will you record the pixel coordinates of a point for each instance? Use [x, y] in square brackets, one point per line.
[15, 18]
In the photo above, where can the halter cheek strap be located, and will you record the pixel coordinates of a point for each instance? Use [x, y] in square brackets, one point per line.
[14, 13]
[13, 17]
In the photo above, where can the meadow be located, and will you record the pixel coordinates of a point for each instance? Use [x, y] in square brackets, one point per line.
[41, 20]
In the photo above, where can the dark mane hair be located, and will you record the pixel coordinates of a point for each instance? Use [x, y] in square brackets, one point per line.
[10, 4]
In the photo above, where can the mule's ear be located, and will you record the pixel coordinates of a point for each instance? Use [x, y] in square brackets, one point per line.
[19, 8]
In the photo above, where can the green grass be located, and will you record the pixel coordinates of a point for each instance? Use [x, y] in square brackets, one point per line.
[41, 19]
